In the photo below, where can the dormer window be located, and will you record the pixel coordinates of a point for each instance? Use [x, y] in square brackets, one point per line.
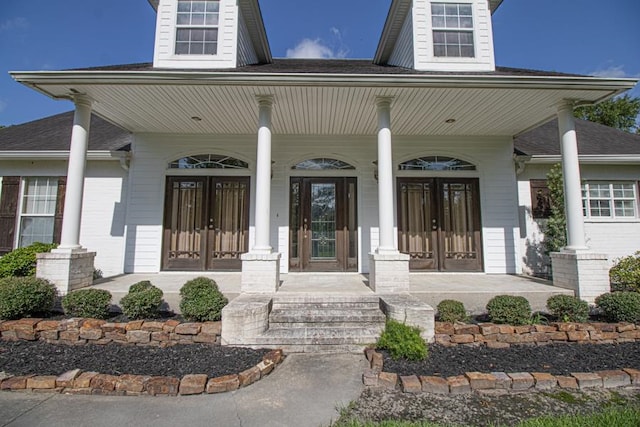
[197, 27]
[452, 30]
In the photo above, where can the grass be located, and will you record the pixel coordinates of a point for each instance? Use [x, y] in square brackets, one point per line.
[618, 417]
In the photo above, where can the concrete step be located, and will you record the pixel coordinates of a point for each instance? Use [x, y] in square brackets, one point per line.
[319, 336]
[344, 325]
[313, 314]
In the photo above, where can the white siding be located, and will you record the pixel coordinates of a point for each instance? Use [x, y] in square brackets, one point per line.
[165, 39]
[246, 52]
[423, 40]
[402, 55]
[103, 214]
[153, 152]
[616, 238]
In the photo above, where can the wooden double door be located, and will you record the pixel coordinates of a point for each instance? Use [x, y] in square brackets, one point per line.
[439, 223]
[323, 224]
[206, 223]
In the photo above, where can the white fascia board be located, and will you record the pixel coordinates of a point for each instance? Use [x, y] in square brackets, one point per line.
[61, 155]
[618, 159]
[37, 79]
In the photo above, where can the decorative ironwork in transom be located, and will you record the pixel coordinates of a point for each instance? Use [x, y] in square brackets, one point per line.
[323, 163]
[437, 163]
[208, 161]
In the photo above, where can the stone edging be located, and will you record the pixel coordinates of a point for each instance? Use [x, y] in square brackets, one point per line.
[78, 331]
[502, 336]
[374, 376]
[78, 382]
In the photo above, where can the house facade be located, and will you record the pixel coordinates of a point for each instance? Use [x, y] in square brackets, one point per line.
[237, 161]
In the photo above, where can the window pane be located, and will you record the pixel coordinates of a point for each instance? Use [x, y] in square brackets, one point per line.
[198, 6]
[196, 48]
[438, 21]
[211, 35]
[183, 18]
[600, 208]
[211, 19]
[452, 38]
[467, 51]
[210, 48]
[437, 9]
[451, 9]
[184, 6]
[623, 190]
[452, 22]
[438, 37]
[197, 19]
[625, 208]
[213, 6]
[182, 35]
[466, 38]
[439, 50]
[466, 22]
[40, 196]
[197, 35]
[453, 51]
[182, 48]
[36, 229]
[465, 9]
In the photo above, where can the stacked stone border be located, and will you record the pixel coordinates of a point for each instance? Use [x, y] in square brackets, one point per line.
[469, 382]
[79, 331]
[503, 336]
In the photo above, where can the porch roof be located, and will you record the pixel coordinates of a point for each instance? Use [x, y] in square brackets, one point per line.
[323, 97]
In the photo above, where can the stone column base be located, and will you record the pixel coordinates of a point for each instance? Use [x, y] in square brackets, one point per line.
[389, 273]
[260, 273]
[586, 273]
[409, 310]
[245, 318]
[67, 270]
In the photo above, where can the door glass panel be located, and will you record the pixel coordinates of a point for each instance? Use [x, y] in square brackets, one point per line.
[352, 220]
[459, 239]
[186, 220]
[228, 220]
[294, 218]
[323, 221]
[416, 219]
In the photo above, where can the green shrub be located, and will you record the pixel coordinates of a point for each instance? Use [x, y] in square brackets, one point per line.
[142, 302]
[513, 310]
[92, 303]
[620, 306]
[402, 341]
[25, 297]
[21, 262]
[625, 274]
[451, 311]
[568, 308]
[201, 300]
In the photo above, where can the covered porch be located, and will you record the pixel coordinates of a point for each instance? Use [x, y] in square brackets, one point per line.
[473, 289]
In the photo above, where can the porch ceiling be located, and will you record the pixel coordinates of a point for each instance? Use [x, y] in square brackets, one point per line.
[310, 104]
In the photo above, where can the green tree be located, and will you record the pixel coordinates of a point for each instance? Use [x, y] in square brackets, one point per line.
[555, 230]
[620, 113]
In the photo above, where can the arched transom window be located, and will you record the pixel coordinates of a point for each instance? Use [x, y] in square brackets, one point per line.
[208, 161]
[322, 164]
[436, 163]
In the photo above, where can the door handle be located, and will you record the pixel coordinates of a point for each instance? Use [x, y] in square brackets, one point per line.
[304, 230]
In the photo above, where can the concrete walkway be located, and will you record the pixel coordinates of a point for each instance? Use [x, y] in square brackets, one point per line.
[306, 390]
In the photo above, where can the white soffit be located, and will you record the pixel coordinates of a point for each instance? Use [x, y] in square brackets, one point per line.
[322, 104]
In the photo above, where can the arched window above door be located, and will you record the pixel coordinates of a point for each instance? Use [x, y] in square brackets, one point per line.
[208, 161]
[323, 163]
[436, 163]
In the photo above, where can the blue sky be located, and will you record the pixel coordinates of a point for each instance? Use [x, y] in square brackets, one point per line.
[574, 36]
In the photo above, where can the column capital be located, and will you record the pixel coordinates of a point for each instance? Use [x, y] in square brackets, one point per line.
[566, 104]
[265, 100]
[81, 99]
[383, 101]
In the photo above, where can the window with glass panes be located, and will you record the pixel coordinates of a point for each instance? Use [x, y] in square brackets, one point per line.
[609, 200]
[37, 210]
[452, 30]
[197, 27]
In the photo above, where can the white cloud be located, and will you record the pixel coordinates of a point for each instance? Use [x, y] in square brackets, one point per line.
[14, 24]
[308, 48]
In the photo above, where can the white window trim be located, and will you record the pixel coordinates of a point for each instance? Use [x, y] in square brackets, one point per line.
[174, 36]
[21, 213]
[472, 30]
[612, 218]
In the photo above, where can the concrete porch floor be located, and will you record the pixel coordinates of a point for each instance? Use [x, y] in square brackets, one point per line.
[473, 289]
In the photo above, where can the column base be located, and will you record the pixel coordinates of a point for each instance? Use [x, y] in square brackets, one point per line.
[260, 273]
[407, 309]
[66, 269]
[389, 272]
[245, 318]
[586, 273]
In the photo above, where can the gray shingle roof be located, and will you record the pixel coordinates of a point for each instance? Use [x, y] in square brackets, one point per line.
[593, 139]
[332, 66]
[54, 133]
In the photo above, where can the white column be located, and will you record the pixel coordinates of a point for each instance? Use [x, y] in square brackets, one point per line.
[385, 177]
[70, 237]
[571, 177]
[263, 177]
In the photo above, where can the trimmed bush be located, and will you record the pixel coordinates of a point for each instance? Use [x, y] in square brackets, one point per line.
[625, 274]
[201, 300]
[620, 306]
[21, 262]
[450, 310]
[568, 308]
[402, 341]
[25, 297]
[513, 310]
[92, 303]
[142, 302]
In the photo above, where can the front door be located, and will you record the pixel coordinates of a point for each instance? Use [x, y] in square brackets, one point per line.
[322, 224]
[439, 223]
[206, 223]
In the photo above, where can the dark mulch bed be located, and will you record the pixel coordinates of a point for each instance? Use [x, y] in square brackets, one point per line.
[41, 358]
[557, 359]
